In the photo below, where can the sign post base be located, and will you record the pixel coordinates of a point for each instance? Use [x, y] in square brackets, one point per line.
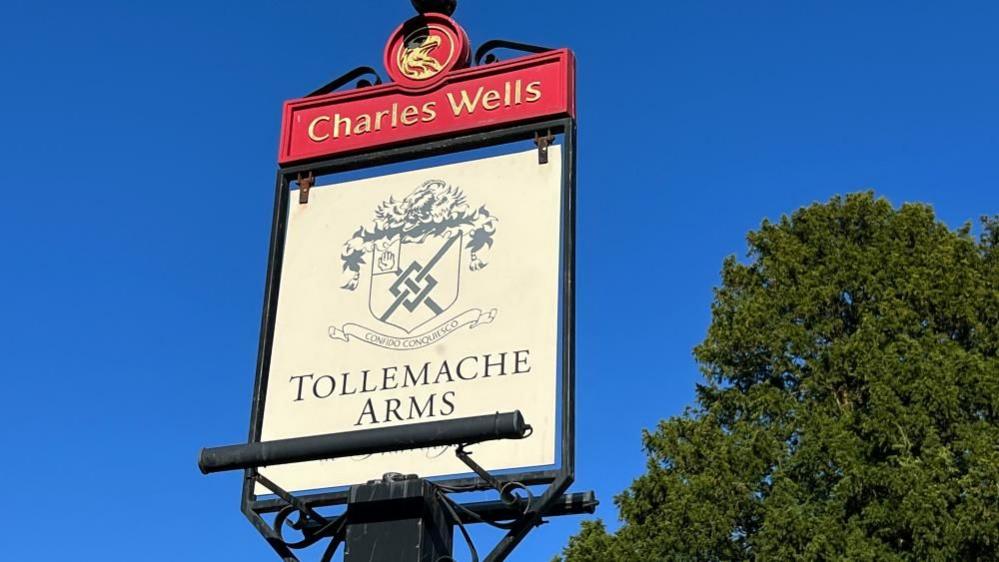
[397, 519]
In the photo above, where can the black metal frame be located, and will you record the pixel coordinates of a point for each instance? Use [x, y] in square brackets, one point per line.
[525, 513]
[558, 479]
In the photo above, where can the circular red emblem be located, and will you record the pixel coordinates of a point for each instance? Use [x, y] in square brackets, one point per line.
[424, 49]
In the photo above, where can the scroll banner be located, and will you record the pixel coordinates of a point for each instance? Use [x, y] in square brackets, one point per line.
[470, 318]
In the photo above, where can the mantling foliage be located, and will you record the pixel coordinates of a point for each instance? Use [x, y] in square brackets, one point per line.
[851, 409]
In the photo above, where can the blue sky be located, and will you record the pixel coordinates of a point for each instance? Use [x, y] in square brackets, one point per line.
[138, 152]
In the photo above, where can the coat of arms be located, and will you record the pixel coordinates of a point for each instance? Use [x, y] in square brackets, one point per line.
[414, 252]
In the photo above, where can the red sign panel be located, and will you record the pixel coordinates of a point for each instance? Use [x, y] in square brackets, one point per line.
[504, 93]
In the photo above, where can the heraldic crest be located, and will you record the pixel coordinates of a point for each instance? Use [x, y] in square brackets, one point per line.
[415, 248]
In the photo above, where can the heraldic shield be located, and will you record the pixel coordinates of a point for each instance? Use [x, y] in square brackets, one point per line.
[417, 249]
[415, 281]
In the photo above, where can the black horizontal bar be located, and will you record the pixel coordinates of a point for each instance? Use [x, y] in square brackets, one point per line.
[364, 442]
[436, 146]
[473, 484]
[568, 504]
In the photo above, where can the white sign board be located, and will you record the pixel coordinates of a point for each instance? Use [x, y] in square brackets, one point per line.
[415, 297]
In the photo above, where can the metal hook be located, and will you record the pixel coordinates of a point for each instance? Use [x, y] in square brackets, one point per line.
[543, 142]
[305, 183]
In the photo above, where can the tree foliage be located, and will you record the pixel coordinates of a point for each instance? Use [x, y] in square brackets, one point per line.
[851, 403]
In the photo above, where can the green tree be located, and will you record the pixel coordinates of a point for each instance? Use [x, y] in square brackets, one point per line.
[851, 403]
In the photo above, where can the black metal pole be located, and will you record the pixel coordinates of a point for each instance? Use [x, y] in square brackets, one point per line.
[446, 7]
[397, 519]
[369, 441]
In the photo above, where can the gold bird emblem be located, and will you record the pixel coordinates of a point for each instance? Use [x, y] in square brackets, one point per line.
[416, 61]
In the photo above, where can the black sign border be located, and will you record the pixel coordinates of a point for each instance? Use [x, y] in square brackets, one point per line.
[559, 479]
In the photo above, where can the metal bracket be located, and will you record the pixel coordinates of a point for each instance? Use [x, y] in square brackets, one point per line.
[543, 142]
[305, 183]
[485, 54]
[505, 490]
[358, 74]
[313, 526]
[516, 515]
[305, 511]
[534, 509]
